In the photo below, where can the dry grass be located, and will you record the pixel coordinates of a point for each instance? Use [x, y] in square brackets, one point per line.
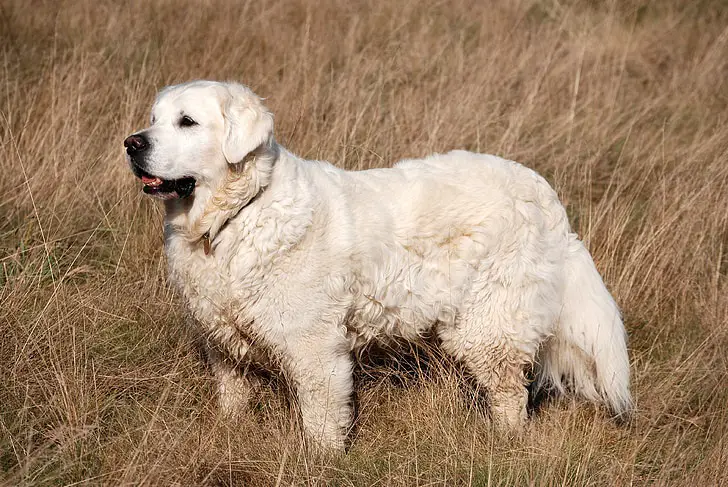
[621, 105]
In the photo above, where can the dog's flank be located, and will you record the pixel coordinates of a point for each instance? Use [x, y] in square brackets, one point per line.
[316, 262]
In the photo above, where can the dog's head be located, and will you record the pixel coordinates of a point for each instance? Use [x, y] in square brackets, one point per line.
[200, 132]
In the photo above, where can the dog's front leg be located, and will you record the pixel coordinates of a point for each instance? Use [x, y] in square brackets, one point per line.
[233, 386]
[322, 375]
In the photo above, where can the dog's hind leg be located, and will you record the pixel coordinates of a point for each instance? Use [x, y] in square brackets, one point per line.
[497, 337]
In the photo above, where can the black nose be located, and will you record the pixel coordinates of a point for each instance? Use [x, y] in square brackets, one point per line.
[135, 144]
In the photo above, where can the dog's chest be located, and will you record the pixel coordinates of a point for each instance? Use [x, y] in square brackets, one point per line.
[217, 302]
[203, 285]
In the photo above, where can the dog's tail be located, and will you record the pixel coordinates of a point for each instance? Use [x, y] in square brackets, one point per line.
[588, 352]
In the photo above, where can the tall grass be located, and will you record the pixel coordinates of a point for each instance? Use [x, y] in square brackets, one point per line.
[622, 105]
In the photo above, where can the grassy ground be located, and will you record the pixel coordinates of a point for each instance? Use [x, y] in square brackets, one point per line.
[622, 105]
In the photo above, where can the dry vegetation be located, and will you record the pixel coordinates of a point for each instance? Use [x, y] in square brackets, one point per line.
[621, 105]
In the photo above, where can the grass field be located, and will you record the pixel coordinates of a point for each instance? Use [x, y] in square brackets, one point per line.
[622, 105]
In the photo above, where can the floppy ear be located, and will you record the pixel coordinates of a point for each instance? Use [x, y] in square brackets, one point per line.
[248, 124]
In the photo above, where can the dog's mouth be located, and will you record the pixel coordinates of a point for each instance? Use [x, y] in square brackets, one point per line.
[165, 189]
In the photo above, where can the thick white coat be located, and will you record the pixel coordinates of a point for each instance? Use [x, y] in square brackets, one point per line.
[309, 263]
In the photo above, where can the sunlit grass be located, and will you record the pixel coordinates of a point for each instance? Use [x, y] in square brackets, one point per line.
[622, 106]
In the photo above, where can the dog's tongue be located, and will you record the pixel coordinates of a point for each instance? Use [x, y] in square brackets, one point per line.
[154, 182]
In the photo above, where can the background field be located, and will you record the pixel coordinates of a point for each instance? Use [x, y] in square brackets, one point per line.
[621, 105]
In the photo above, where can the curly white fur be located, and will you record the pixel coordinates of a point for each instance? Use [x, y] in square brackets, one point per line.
[310, 262]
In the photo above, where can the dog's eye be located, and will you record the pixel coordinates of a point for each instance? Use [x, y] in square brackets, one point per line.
[186, 122]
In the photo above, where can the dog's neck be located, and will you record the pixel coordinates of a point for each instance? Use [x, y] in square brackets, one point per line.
[244, 182]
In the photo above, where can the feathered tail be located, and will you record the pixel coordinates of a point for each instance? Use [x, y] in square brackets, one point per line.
[588, 353]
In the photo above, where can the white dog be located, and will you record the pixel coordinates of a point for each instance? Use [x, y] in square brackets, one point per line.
[307, 262]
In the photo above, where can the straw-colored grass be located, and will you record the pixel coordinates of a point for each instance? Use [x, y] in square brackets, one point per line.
[622, 105]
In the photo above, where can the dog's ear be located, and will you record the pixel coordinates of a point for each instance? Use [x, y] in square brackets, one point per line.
[248, 124]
